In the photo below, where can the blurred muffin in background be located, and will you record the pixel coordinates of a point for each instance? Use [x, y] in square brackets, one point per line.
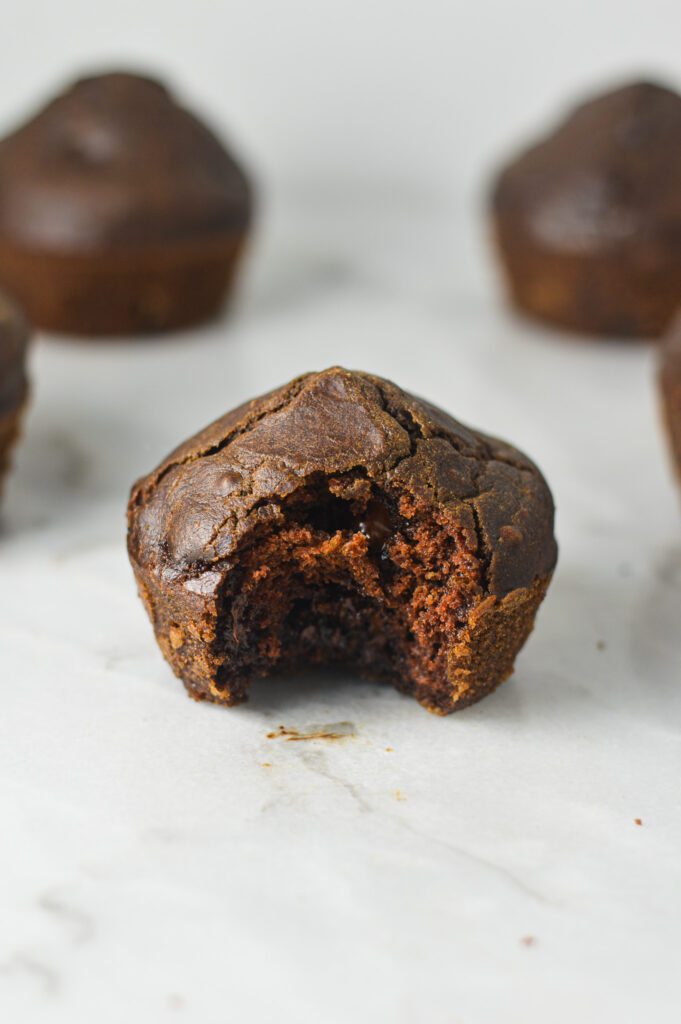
[670, 388]
[13, 383]
[588, 221]
[120, 212]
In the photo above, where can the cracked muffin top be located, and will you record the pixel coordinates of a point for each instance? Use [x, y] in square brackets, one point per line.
[189, 516]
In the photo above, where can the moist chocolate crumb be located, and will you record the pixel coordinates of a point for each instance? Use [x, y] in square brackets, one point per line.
[361, 527]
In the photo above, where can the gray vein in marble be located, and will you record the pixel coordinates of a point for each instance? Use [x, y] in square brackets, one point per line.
[78, 923]
[316, 762]
[23, 963]
[474, 858]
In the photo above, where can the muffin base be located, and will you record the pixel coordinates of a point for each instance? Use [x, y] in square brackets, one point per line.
[139, 292]
[484, 656]
[10, 426]
[670, 390]
[590, 294]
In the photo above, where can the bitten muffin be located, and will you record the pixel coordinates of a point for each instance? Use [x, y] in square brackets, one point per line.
[13, 383]
[670, 388]
[588, 222]
[120, 212]
[340, 520]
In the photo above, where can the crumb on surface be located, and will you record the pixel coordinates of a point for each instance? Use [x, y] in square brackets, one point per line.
[335, 731]
[637, 821]
[528, 940]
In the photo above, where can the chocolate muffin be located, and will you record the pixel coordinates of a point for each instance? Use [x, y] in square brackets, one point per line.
[670, 388]
[13, 383]
[120, 212]
[588, 222]
[340, 520]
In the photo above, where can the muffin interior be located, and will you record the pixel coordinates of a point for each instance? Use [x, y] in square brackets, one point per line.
[345, 572]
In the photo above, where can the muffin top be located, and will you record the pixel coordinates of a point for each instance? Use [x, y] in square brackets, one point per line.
[190, 515]
[112, 163]
[13, 341]
[606, 179]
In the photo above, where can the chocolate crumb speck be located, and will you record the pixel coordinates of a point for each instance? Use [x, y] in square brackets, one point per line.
[637, 821]
[335, 731]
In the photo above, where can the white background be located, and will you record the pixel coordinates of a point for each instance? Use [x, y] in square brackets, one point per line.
[152, 868]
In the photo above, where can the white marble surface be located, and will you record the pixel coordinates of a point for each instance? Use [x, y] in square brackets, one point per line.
[164, 860]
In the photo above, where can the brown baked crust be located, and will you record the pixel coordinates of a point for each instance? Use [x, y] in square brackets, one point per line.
[152, 290]
[588, 222]
[13, 383]
[10, 427]
[120, 212]
[233, 503]
[670, 389]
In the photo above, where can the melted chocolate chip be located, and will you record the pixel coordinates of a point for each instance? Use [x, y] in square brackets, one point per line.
[376, 523]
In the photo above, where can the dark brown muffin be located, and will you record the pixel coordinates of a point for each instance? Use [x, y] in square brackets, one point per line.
[588, 222]
[120, 212]
[670, 387]
[13, 383]
[340, 520]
